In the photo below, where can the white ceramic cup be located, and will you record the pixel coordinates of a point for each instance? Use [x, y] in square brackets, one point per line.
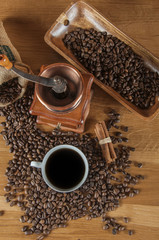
[45, 159]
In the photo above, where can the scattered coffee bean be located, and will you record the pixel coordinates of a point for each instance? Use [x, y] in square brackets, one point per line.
[9, 91]
[37, 231]
[140, 177]
[115, 126]
[131, 194]
[136, 191]
[7, 199]
[124, 139]
[114, 231]
[121, 228]
[44, 208]
[28, 232]
[139, 165]
[25, 228]
[105, 227]
[7, 188]
[13, 203]
[124, 128]
[2, 124]
[21, 197]
[126, 220]
[130, 232]
[116, 120]
[117, 115]
[119, 140]
[1, 213]
[132, 149]
[21, 219]
[113, 139]
[118, 134]
[109, 124]
[41, 237]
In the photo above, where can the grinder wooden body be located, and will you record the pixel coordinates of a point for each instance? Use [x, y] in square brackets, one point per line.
[69, 117]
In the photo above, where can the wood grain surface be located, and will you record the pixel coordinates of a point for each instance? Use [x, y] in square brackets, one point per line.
[26, 23]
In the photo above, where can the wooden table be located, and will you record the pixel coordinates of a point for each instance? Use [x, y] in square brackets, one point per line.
[26, 23]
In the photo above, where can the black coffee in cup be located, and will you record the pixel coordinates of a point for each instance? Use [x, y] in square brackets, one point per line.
[65, 168]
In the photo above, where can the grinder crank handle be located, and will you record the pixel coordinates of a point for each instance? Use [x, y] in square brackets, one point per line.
[58, 83]
[7, 64]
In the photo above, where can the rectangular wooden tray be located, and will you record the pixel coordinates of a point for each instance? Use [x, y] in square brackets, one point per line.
[80, 14]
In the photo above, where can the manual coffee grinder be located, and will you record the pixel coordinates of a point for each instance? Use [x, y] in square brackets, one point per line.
[62, 95]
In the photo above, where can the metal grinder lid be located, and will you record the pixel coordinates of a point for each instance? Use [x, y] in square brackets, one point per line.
[74, 88]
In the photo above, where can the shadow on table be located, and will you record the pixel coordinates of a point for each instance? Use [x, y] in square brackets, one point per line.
[28, 38]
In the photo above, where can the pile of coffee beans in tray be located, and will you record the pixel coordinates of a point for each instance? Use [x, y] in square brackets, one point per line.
[45, 209]
[9, 91]
[115, 64]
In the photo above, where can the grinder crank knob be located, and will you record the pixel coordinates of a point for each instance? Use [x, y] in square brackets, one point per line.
[5, 62]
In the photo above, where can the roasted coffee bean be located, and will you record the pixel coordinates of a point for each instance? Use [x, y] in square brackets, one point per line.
[24, 229]
[107, 220]
[41, 237]
[12, 196]
[139, 165]
[125, 219]
[9, 91]
[2, 124]
[109, 124]
[13, 203]
[121, 228]
[114, 231]
[7, 199]
[116, 120]
[119, 140]
[113, 139]
[37, 231]
[125, 129]
[140, 177]
[105, 227]
[88, 217]
[22, 219]
[130, 232]
[132, 149]
[1, 213]
[111, 113]
[118, 134]
[136, 191]
[21, 197]
[131, 194]
[28, 232]
[7, 188]
[124, 139]
[47, 232]
[115, 126]
[117, 115]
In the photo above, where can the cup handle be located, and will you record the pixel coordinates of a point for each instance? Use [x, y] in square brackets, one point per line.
[36, 164]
